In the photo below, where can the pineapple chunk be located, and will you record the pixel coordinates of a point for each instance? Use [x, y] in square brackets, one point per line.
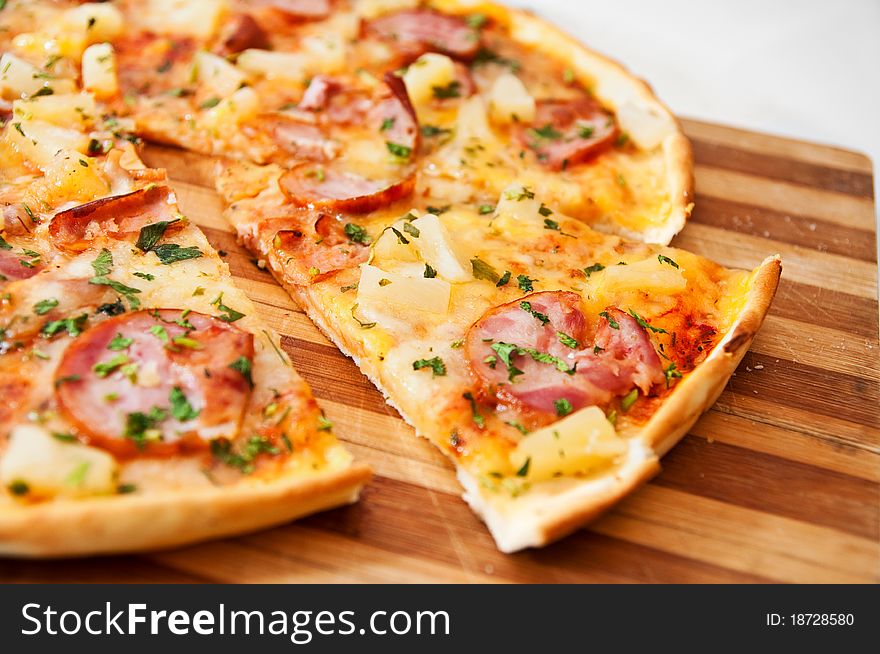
[63, 110]
[510, 100]
[200, 20]
[99, 70]
[577, 444]
[378, 289]
[389, 247]
[217, 75]
[71, 177]
[424, 74]
[519, 203]
[438, 249]
[272, 65]
[649, 276]
[95, 21]
[20, 79]
[37, 45]
[369, 9]
[647, 127]
[242, 105]
[40, 141]
[43, 466]
[325, 54]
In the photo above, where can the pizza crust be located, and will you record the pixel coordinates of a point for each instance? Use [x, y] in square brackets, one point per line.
[107, 525]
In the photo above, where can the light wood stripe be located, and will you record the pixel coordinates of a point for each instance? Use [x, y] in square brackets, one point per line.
[837, 208]
[780, 146]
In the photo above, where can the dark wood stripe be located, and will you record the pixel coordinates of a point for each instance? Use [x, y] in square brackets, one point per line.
[107, 570]
[783, 168]
[383, 519]
[334, 376]
[803, 231]
[851, 314]
[772, 484]
[812, 389]
[330, 379]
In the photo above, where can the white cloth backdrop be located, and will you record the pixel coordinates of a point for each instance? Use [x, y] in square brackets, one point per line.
[808, 69]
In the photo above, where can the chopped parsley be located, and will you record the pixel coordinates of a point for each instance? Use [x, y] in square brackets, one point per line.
[527, 307]
[544, 210]
[523, 193]
[120, 342]
[411, 229]
[245, 366]
[433, 130]
[387, 124]
[451, 90]
[3, 244]
[210, 103]
[486, 208]
[169, 253]
[181, 409]
[563, 407]
[611, 321]
[585, 131]
[483, 270]
[630, 399]
[438, 368]
[671, 373]
[398, 150]
[141, 427]
[596, 267]
[128, 292]
[108, 367]
[357, 234]
[363, 325]
[478, 419]
[73, 326]
[567, 340]
[430, 272]
[546, 132]
[150, 235]
[146, 276]
[645, 324]
[505, 278]
[43, 307]
[221, 449]
[18, 487]
[103, 263]
[525, 283]
[524, 470]
[664, 259]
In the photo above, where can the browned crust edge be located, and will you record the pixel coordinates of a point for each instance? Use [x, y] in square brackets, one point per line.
[107, 525]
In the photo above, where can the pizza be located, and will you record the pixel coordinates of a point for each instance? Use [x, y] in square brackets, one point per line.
[469, 203]
[143, 403]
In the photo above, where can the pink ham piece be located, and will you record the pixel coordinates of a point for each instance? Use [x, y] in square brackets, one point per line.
[314, 249]
[324, 188]
[318, 93]
[580, 375]
[568, 132]
[12, 268]
[304, 142]
[119, 217]
[240, 33]
[417, 31]
[107, 407]
[398, 112]
[298, 9]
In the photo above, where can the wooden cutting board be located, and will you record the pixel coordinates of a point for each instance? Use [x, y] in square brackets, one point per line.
[780, 481]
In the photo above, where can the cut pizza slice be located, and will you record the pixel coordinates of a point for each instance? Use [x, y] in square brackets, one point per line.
[143, 403]
[552, 363]
[498, 95]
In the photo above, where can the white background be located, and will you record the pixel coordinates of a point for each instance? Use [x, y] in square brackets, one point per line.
[808, 69]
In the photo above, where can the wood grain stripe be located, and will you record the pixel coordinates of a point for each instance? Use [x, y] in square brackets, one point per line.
[805, 231]
[826, 307]
[779, 167]
[790, 149]
[106, 570]
[772, 485]
[838, 208]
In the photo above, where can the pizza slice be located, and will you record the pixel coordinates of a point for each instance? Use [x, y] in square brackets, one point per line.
[498, 94]
[552, 363]
[143, 403]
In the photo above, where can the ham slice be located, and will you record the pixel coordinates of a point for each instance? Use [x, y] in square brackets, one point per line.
[533, 353]
[568, 132]
[240, 33]
[314, 248]
[416, 31]
[299, 9]
[119, 217]
[327, 189]
[12, 268]
[140, 410]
